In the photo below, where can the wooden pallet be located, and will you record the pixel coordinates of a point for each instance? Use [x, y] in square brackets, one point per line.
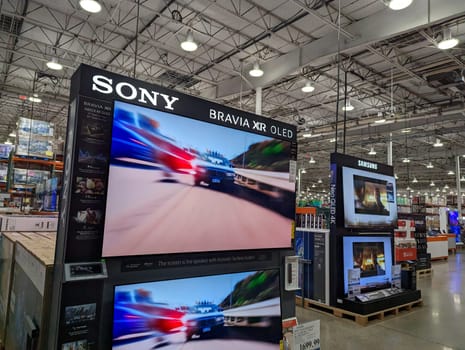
[362, 320]
[424, 272]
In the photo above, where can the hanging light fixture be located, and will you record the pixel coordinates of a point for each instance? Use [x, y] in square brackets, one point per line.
[189, 44]
[303, 171]
[438, 143]
[448, 41]
[12, 134]
[320, 181]
[256, 71]
[406, 160]
[414, 180]
[380, 119]
[312, 161]
[406, 130]
[348, 107]
[372, 152]
[396, 177]
[408, 188]
[462, 178]
[398, 4]
[8, 142]
[54, 64]
[446, 186]
[313, 185]
[35, 98]
[432, 184]
[450, 172]
[430, 165]
[308, 87]
[92, 6]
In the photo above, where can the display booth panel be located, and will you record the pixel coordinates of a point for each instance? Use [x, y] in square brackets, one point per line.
[363, 215]
[166, 186]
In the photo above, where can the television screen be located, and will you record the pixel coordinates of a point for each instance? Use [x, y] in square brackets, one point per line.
[369, 258]
[228, 311]
[373, 256]
[369, 199]
[178, 185]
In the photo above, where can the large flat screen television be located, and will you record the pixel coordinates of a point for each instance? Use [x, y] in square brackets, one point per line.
[373, 256]
[180, 185]
[227, 311]
[369, 199]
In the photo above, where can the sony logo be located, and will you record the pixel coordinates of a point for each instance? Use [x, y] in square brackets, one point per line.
[129, 92]
[369, 165]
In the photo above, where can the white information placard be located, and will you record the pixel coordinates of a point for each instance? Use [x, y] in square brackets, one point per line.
[291, 273]
[307, 336]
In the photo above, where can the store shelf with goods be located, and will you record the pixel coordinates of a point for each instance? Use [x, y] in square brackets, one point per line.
[312, 218]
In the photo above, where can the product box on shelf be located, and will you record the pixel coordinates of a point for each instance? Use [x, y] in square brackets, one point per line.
[3, 172]
[34, 138]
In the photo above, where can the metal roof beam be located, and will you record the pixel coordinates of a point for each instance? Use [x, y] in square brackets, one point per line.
[380, 26]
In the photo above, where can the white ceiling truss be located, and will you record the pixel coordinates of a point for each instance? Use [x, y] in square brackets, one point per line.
[389, 60]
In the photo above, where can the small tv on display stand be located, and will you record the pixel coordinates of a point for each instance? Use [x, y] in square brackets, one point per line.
[212, 312]
[373, 256]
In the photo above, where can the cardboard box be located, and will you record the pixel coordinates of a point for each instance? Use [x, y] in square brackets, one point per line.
[30, 297]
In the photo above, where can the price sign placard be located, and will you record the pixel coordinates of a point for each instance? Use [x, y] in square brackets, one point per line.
[307, 336]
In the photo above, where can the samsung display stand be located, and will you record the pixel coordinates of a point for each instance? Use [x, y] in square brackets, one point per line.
[381, 300]
[362, 221]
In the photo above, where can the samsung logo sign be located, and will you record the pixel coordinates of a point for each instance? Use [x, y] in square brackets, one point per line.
[129, 92]
[369, 165]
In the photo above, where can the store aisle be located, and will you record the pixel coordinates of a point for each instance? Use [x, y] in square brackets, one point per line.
[438, 325]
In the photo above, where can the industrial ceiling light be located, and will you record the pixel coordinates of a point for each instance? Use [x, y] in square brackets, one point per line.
[307, 134]
[405, 160]
[256, 71]
[332, 140]
[429, 165]
[348, 107]
[313, 185]
[450, 172]
[312, 161]
[438, 143]
[396, 177]
[448, 41]
[12, 134]
[399, 4]
[446, 186]
[8, 142]
[320, 181]
[462, 178]
[408, 188]
[372, 152]
[91, 6]
[406, 130]
[35, 98]
[189, 44]
[414, 180]
[308, 87]
[54, 64]
[432, 184]
[380, 119]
